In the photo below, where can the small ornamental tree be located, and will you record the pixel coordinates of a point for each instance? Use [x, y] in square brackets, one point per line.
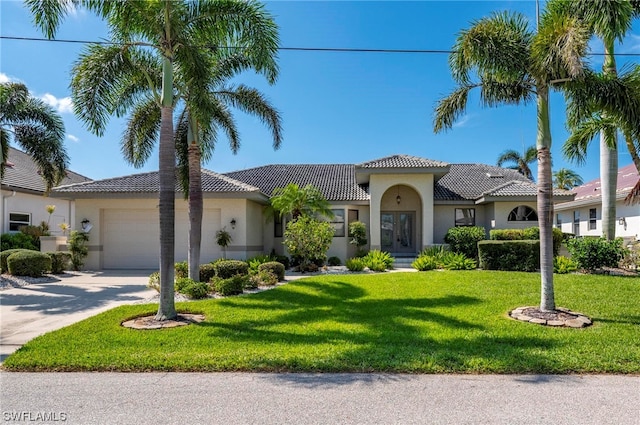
[358, 234]
[223, 239]
[308, 239]
[78, 248]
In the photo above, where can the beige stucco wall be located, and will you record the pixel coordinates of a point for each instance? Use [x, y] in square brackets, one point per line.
[499, 211]
[444, 219]
[35, 205]
[422, 184]
[222, 211]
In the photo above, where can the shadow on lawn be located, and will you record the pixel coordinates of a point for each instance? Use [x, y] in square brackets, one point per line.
[350, 332]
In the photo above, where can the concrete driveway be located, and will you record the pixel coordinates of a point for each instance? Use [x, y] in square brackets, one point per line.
[35, 309]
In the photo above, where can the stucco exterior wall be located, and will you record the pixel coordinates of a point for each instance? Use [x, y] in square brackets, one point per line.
[501, 212]
[422, 184]
[35, 206]
[627, 228]
[444, 219]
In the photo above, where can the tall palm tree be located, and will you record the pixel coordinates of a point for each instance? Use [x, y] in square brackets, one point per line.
[566, 179]
[516, 66]
[609, 21]
[36, 127]
[520, 162]
[181, 34]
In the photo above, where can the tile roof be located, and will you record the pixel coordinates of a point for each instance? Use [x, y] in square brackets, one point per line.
[150, 183]
[521, 188]
[402, 161]
[21, 173]
[627, 178]
[336, 181]
[472, 181]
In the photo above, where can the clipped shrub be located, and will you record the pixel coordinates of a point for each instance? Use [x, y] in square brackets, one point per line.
[231, 286]
[308, 240]
[154, 281]
[358, 234]
[378, 260]
[263, 278]
[334, 261]
[59, 261]
[229, 268]
[510, 255]
[6, 253]
[284, 260]
[28, 263]
[181, 269]
[424, 263]
[207, 271]
[564, 265]
[17, 241]
[196, 290]
[465, 239]
[273, 267]
[355, 264]
[181, 283]
[595, 253]
[530, 233]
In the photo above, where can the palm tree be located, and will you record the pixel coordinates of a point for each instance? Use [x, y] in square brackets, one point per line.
[521, 162]
[174, 36]
[36, 127]
[295, 201]
[566, 179]
[609, 21]
[516, 66]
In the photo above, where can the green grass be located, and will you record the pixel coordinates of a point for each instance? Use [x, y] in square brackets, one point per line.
[433, 322]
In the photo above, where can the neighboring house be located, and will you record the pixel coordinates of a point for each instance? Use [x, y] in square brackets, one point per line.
[408, 203]
[583, 215]
[23, 200]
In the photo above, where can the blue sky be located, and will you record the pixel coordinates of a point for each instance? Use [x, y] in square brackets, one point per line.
[337, 107]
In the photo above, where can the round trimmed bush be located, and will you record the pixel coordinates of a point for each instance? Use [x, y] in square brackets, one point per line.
[207, 271]
[59, 261]
[231, 286]
[226, 269]
[274, 267]
[28, 263]
[6, 253]
[196, 290]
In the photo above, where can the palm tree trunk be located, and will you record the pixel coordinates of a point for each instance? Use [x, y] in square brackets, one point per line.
[545, 205]
[609, 158]
[167, 167]
[195, 202]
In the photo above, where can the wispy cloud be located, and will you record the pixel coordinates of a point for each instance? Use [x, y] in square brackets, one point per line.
[73, 138]
[462, 122]
[4, 78]
[64, 105]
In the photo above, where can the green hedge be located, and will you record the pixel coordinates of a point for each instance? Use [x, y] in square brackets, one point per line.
[6, 253]
[273, 267]
[509, 255]
[59, 261]
[530, 233]
[231, 286]
[28, 263]
[465, 239]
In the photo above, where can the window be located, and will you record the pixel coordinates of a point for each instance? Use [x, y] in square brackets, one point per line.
[465, 217]
[522, 213]
[558, 221]
[277, 226]
[337, 222]
[592, 219]
[17, 220]
[354, 215]
[576, 223]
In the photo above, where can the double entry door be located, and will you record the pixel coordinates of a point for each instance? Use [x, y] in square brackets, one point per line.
[397, 232]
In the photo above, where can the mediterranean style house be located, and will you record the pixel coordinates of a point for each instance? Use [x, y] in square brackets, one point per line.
[23, 200]
[583, 215]
[407, 203]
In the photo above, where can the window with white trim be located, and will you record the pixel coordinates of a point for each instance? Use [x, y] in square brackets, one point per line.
[592, 219]
[523, 213]
[17, 220]
[337, 222]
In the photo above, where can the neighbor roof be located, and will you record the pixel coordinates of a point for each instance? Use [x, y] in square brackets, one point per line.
[21, 173]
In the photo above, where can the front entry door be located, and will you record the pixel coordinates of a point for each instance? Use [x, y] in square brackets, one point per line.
[397, 232]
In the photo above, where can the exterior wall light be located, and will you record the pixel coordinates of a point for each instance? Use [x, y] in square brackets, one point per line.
[233, 223]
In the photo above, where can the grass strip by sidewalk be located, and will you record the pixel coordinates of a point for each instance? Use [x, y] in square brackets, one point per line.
[433, 322]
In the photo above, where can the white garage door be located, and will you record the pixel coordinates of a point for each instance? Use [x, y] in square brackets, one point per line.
[131, 241]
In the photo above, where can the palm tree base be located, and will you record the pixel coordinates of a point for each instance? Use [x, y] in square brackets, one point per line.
[558, 317]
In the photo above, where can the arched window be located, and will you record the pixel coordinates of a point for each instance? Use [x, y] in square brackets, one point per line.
[523, 213]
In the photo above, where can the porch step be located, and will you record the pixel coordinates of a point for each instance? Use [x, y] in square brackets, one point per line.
[403, 262]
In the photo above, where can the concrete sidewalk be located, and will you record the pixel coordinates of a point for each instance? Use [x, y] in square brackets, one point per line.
[35, 309]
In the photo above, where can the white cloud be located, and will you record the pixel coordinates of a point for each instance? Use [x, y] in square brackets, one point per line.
[4, 78]
[64, 105]
[631, 44]
[462, 122]
[73, 138]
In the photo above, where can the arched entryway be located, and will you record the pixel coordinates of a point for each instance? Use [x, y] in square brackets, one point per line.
[400, 224]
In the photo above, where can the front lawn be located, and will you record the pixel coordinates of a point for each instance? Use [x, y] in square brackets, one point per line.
[433, 322]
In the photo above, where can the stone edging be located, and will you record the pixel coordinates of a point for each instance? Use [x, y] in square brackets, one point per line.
[559, 317]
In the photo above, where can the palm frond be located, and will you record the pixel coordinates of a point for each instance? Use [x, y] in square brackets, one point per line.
[141, 133]
[575, 147]
[450, 108]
